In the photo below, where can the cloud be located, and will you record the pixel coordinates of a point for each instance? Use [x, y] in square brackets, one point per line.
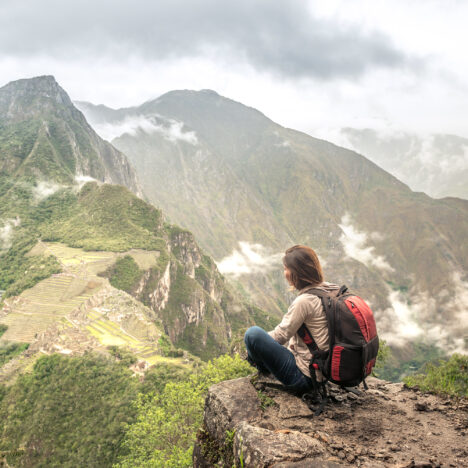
[81, 180]
[354, 244]
[401, 322]
[440, 319]
[433, 163]
[284, 144]
[6, 231]
[249, 259]
[174, 133]
[170, 129]
[283, 37]
[45, 189]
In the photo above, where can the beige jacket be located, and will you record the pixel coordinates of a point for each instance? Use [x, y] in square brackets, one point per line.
[308, 309]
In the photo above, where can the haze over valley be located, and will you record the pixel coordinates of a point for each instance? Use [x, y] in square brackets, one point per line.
[248, 188]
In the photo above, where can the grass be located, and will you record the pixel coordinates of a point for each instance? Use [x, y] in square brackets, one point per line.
[265, 400]
[446, 377]
[108, 217]
[11, 350]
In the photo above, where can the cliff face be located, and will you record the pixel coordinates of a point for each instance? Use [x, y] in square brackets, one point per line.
[260, 425]
[191, 298]
[43, 136]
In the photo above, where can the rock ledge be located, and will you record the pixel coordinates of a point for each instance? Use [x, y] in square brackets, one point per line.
[260, 425]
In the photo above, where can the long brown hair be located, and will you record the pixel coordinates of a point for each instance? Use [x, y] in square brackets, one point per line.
[304, 266]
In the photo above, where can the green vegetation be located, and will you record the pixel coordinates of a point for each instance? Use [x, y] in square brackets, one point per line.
[3, 329]
[10, 350]
[108, 217]
[124, 274]
[262, 319]
[122, 355]
[449, 377]
[19, 272]
[166, 425]
[167, 348]
[397, 287]
[382, 357]
[89, 411]
[158, 376]
[396, 365]
[70, 411]
[265, 400]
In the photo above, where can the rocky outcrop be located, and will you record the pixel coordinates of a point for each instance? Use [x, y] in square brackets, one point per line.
[41, 114]
[261, 425]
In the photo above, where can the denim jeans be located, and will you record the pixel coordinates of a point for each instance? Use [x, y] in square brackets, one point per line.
[269, 356]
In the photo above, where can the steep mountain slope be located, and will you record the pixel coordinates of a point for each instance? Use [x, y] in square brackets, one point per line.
[102, 232]
[44, 137]
[228, 173]
[434, 164]
[66, 250]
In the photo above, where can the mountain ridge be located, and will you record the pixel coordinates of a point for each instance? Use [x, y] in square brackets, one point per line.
[43, 135]
[202, 155]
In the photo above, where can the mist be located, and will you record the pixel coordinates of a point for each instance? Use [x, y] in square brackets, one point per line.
[249, 259]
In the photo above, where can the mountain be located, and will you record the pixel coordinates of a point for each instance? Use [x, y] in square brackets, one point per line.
[230, 174]
[436, 164]
[76, 258]
[44, 137]
[87, 266]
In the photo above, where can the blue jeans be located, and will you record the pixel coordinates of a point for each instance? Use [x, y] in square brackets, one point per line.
[269, 356]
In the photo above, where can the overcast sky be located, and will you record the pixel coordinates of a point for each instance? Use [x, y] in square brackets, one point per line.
[311, 65]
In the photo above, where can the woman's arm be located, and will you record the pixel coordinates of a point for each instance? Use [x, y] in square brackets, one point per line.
[294, 318]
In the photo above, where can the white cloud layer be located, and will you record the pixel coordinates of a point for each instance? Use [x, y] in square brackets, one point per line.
[171, 130]
[249, 259]
[6, 231]
[81, 180]
[436, 164]
[355, 245]
[419, 318]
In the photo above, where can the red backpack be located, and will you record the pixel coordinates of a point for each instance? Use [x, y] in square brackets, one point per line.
[353, 345]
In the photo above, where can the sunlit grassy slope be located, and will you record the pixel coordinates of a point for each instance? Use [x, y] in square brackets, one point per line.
[78, 309]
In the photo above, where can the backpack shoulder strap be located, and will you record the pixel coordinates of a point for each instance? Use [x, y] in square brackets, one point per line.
[316, 292]
[307, 338]
[322, 293]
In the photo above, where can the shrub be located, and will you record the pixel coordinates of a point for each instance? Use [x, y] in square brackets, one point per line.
[70, 411]
[124, 274]
[167, 423]
[10, 350]
[444, 378]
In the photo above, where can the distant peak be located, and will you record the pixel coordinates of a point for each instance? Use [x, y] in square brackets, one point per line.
[45, 86]
[37, 81]
[209, 91]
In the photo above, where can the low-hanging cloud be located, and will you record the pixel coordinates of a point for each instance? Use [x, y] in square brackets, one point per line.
[355, 245]
[81, 180]
[283, 37]
[249, 259]
[45, 189]
[170, 129]
[6, 231]
[417, 318]
[436, 164]
[440, 319]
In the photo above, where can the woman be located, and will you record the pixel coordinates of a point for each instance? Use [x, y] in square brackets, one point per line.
[290, 365]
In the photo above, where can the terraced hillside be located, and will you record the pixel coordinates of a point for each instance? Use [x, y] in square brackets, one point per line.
[77, 310]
